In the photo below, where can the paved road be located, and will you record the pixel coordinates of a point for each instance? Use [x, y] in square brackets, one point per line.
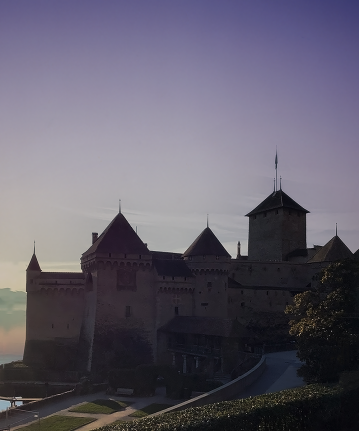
[62, 407]
[280, 374]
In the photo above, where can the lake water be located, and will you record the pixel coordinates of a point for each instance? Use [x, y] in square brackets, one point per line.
[4, 359]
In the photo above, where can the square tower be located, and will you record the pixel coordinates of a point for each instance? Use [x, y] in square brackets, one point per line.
[277, 227]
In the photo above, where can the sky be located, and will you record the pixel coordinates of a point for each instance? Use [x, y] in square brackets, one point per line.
[176, 107]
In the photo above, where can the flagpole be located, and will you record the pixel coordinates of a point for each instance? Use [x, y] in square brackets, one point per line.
[276, 170]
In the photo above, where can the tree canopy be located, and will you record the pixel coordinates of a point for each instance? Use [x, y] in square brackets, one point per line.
[325, 323]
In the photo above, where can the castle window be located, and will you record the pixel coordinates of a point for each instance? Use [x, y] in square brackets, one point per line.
[163, 278]
[204, 304]
[176, 311]
[242, 304]
[128, 312]
[109, 255]
[209, 284]
[267, 292]
[185, 279]
[52, 325]
[276, 211]
[139, 256]
[242, 292]
[265, 214]
[125, 255]
[254, 217]
[173, 278]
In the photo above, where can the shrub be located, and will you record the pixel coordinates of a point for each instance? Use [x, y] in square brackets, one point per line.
[311, 408]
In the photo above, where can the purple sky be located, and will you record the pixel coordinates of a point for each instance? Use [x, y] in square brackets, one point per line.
[176, 108]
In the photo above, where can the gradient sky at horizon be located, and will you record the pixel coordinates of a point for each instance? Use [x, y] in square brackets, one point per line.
[176, 108]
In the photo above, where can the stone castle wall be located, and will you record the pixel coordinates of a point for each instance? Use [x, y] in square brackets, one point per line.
[275, 233]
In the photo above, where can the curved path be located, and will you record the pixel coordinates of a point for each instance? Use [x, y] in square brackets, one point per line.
[279, 374]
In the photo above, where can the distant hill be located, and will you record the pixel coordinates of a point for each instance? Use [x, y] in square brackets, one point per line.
[12, 308]
[10, 299]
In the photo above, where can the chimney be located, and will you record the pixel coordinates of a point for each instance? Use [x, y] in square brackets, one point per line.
[238, 250]
[94, 237]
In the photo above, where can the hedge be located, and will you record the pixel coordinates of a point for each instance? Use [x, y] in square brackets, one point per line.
[310, 408]
[18, 371]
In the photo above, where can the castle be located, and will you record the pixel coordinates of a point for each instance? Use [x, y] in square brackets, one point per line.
[195, 310]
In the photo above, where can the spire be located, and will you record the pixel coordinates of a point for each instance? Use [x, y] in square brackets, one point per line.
[119, 206]
[280, 183]
[34, 264]
[336, 229]
[207, 220]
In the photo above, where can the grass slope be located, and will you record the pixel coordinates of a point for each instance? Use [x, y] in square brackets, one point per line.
[58, 423]
[101, 407]
[148, 410]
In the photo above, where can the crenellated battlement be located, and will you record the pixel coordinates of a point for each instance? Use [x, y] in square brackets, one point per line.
[99, 264]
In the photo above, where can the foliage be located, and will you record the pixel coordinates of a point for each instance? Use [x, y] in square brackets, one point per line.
[143, 380]
[100, 407]
[310, 408]
[150, 409]
[325, 323]
[58, 423]
[18, 371]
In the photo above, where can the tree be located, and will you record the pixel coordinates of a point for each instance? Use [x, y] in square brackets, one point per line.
[326, 323]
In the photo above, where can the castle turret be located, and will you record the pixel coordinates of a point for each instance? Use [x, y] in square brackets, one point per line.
[119, 299]
[209, 262]
[32, 272]
[333, 250]
[277, 227]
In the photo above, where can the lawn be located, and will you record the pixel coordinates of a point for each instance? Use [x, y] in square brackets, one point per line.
[148, 410]
[101, 407]
[58, 423]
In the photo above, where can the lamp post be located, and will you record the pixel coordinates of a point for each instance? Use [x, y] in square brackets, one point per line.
[37, 415]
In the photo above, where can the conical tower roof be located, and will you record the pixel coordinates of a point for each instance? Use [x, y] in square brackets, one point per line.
[333, 250]
[118, 237]
[277, 199]
[34, 264]
[206, 244]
